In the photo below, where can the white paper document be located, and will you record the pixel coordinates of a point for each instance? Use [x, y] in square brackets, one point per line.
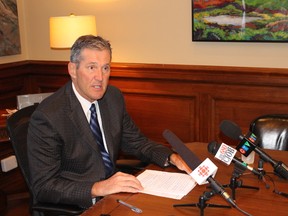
[166, 184]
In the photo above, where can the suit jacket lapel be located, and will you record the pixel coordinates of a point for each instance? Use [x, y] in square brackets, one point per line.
[77, 116]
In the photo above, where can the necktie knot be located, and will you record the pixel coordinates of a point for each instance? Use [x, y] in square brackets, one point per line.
[93, 112]
[93, 108]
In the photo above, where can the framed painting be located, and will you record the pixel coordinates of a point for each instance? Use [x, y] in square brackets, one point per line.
[240, 20]
[9, 28]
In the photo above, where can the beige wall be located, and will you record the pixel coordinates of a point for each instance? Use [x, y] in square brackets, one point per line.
[141, 31]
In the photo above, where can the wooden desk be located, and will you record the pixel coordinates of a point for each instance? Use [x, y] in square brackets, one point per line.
[256, 202]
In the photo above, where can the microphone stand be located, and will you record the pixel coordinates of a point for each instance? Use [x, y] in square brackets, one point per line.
[202, 204]
[235, 183]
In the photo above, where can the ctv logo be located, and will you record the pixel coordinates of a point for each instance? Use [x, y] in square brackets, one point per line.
[252, 138]
[245, 147]
[247, 144]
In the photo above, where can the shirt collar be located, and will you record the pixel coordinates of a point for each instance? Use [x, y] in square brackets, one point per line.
[84, 102]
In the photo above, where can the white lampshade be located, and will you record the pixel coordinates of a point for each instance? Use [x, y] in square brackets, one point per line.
[65, 30]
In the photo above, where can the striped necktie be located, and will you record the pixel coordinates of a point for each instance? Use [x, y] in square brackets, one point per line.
[94, 125]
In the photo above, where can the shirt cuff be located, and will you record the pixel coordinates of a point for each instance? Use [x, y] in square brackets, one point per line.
[167, 162]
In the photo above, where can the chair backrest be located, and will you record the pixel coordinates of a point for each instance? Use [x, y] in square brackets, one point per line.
[271, 130]
[17, 126]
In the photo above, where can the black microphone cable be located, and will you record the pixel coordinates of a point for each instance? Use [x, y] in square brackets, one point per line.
[242, 211]
[275, 190]
[265, 174]
[281, 193]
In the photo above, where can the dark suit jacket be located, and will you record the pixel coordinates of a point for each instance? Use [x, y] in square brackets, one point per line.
[64, 158]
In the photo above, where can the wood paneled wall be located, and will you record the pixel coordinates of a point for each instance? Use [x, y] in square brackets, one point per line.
[191, 101]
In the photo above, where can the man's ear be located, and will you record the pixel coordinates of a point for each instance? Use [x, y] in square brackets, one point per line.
[72, 70]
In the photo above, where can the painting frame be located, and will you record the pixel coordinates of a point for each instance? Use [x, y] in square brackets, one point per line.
[10, 42]
[239, 21]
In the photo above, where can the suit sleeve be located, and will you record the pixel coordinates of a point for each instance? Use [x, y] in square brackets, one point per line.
[136, 143]
[133, 141]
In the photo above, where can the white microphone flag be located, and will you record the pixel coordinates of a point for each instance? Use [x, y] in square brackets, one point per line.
[203, 171]
[225, 153]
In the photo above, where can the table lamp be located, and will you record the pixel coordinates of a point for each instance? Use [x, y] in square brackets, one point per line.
[64, 30]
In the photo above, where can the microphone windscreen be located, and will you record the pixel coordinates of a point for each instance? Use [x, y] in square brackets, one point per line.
[213, 147]
[230, 129]
[188, 156]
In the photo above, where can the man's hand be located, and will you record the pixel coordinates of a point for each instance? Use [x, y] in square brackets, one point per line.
[119, 182]
[176, 160]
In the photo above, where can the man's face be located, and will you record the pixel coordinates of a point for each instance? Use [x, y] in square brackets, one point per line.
[92, 76]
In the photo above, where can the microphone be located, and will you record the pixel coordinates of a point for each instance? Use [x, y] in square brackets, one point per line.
[193, 162]
[260, 168]
[249, 143]
[263, 173]
[226, 154]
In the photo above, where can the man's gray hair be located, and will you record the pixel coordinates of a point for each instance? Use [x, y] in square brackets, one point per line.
[88, 42]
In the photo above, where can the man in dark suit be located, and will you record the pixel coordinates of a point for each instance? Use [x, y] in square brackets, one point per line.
[66, 163]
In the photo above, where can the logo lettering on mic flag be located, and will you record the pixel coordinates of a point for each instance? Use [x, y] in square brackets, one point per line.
[225, 153]
[203, 171]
